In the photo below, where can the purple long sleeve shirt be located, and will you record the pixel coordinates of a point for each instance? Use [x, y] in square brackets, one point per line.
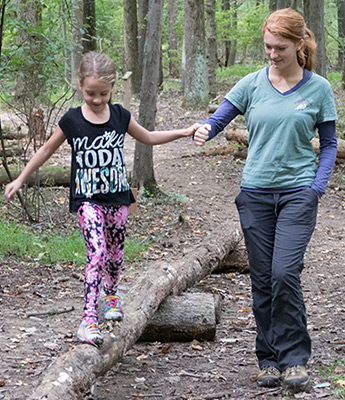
[226, 112]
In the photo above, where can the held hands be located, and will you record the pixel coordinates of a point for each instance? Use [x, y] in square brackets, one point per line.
[201, 135]
[192, 129]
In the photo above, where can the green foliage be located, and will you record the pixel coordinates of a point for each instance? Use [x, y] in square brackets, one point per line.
[249, 17]
[110, 30]
[334, 373]
[35, 50]
[236, 71]
[46, 247]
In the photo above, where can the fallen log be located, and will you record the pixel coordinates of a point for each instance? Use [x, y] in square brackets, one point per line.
[50, 175]
[235, 261]
[72, 374]
[184, 318]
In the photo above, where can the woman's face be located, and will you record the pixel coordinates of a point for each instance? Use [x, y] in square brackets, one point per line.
[281, 52]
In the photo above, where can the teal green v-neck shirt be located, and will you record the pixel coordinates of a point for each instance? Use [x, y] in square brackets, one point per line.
[280, 128]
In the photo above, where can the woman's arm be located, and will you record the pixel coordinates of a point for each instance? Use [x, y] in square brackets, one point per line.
[158, 137]
[39, 158]
[328, 154]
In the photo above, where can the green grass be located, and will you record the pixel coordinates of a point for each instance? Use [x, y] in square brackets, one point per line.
[334, 373]
[20, 242]
[236, 72]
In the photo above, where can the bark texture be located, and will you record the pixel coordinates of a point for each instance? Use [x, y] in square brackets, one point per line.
[195, 68]
[143, 173]
[314, 11]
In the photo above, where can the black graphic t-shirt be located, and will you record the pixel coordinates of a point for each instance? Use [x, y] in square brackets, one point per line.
[98, 170]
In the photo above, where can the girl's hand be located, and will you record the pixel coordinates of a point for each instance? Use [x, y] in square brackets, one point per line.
[12, 188]
[194, 128]
[201, 135]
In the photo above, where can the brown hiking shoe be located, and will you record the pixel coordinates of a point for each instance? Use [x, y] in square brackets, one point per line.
[268, 376]
[296, 378]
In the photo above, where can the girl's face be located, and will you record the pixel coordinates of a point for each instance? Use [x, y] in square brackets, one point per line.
[96, 93]
[281, 52]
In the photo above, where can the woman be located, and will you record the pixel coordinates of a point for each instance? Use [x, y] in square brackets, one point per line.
[284, 104]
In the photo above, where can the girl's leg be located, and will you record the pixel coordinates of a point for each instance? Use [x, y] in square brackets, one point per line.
[115, 232]
[258, 221]
[92, 223]
[296, 222]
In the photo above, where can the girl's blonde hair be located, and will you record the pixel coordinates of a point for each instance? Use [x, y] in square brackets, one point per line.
[290, 24]
[97, 65]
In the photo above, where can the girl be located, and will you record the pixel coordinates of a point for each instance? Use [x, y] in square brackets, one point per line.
[99, 191]
[284, 104]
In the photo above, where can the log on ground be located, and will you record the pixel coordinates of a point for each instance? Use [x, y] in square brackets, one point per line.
[50, 175]
[235, 261]
[72, 374]
[184, 318]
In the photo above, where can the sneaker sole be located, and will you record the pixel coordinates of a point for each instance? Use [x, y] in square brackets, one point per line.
[97, 342]
[296, 387]
[268, 383]
[115, 317]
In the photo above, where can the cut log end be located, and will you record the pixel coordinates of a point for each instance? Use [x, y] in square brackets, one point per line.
[184, 318]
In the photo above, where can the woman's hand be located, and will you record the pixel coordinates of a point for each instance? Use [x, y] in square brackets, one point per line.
[201, 135]
[192, 129]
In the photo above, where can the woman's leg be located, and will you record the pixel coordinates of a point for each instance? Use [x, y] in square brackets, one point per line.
[258, 221]
[297, 214]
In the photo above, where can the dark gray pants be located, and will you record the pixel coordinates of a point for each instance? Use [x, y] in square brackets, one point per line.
[277, 229]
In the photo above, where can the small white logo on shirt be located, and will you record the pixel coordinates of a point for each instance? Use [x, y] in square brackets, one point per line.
[301, 107]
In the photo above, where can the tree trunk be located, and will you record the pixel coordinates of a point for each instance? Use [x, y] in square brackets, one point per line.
[295, 4]
[64, 35]
[273, 5]
[195, 72]
[233, 42]
[72, 374]
[211, 46]
[174, 65]
[143, 173]
[341, 32]
[89, 18]
[143, 8]
[77, 52]
[131, 42]
[29, 85]
[314, 14]
[283, 4]
[226, 43]
[3, 5]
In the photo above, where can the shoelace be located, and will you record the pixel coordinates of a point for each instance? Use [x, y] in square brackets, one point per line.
[271, 370]
[92, 327]
[295, 370]
[112, 303]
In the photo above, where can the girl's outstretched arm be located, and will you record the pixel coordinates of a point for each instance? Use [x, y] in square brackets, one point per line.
[158, 137]
[39, 158]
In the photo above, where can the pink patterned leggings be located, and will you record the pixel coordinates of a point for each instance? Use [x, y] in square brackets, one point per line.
[104, 230]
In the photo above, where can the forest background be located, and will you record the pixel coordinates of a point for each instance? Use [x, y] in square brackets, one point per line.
[190, 51]
[192, 48]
